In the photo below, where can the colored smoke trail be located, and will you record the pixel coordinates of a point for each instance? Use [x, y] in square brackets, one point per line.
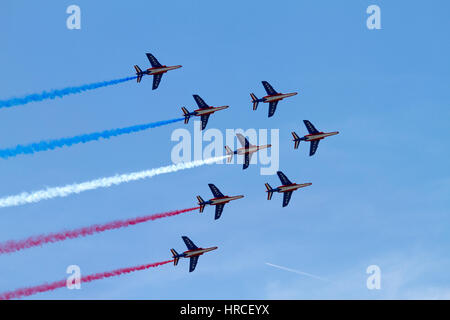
[12, 245]
[67, 142]
[23, 292]
[58, 192]
[59, 93]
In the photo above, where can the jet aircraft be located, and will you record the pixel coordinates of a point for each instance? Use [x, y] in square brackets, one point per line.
[203, 112]
[272, 98]
[192, 253]
[247, 150]
[286, 188]
[314, 137]
[157, 70]
[219, 201]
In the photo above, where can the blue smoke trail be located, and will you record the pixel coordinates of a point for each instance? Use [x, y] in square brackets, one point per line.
[59, 93]
[67, 142]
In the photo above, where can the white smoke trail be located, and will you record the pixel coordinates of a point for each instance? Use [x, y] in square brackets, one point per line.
[59, 192]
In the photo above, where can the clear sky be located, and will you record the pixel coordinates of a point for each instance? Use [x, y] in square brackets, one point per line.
[380, 193]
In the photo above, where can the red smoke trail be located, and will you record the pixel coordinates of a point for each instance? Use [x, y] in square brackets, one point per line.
[34, 241]
[23, 292]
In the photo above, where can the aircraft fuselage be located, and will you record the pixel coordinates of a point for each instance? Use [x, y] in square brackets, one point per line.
[159, 70]
[223, 200]
[210, 110]
[319, 136]
[277, 97]
[251, 149]
[196, 252]
[292, 187]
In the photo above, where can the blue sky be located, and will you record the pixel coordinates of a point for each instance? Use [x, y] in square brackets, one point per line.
[380, 192]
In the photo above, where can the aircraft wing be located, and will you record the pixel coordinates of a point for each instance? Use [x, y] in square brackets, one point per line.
[310, 127]
[270, 91]
[215, 191]
[201, 104]
[247, 158]
[284, 180]
[219, 209]
[189, 244]
[313, 147]
[243, 141]
[193, 263]
[153, 61]
[286, 198]
[272, 107]
[204, 119]
[156, 80]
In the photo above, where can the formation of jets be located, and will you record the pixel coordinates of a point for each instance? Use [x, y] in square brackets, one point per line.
[204, 111]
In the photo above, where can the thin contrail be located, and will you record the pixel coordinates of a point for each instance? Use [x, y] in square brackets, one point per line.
[67, 142]
[28, 291]
[64, 191]
[296, 271]
[59, 93]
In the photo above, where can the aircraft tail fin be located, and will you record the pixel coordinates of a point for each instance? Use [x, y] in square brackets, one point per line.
[296, 140]
[138, 73]
[269, 191]
[186, 114]
[174, 256]
[201, 203]
[254, 100]
[229, 153]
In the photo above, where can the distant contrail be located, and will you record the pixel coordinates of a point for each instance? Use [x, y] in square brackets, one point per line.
[67, 142]
[36, 241]
[64, 191]
[28, 291]
[296, 271]
[59, 93]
